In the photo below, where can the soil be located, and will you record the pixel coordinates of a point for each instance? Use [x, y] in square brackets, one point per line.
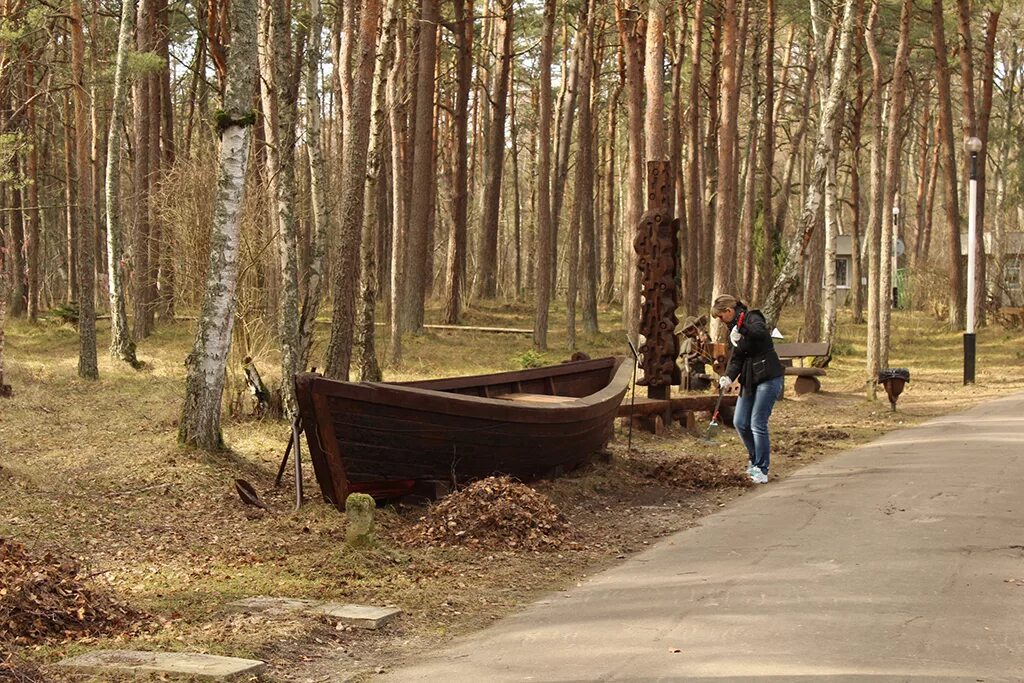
[92, 471]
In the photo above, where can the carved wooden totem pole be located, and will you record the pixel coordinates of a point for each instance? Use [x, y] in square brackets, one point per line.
[656, 245]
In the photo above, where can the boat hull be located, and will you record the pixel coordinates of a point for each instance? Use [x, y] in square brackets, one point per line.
[384, 438]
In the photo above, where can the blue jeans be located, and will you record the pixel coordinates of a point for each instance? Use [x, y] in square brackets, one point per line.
[751, 420]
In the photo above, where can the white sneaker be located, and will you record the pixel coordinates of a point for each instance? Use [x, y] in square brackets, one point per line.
[750, 469]
[758, 477]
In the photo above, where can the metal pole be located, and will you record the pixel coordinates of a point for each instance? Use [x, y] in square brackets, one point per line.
[893, 285]
[972, 241]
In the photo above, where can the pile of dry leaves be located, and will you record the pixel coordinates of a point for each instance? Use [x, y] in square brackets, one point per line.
[695, 472]
[44, 598]
[493, 513]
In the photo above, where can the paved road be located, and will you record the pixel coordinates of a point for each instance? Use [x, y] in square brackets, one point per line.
[894, 561]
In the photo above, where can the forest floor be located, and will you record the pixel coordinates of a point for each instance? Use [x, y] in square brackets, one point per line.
[91, 471]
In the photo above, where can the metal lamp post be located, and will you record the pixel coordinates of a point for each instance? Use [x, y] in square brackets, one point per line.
[894, 255]
[972, 146]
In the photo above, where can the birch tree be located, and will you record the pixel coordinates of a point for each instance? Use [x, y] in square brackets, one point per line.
[788, 275]
[122, 346]
[318, 179]
[274, 55]
[206, 364]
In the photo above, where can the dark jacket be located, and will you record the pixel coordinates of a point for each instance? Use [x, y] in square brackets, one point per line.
[755, 349]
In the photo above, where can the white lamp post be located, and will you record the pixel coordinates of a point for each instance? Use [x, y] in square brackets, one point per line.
[972, 146]
[894, 255]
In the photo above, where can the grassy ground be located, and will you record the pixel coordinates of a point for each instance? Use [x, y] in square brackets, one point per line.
[93, 469]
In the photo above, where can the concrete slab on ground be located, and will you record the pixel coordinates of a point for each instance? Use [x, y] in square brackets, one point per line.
[900, 560]
[194, 665]
[358, 616]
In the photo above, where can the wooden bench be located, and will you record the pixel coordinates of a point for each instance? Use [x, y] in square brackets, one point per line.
[806, 377]
[655, 415]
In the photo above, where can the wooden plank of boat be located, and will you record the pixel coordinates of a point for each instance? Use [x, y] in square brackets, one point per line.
[534, 398]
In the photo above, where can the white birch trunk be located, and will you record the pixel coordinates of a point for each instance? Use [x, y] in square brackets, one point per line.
[279, 129]
[122, 346]
[828, 325]
[318, 185]
[206, 364]
[787, 279]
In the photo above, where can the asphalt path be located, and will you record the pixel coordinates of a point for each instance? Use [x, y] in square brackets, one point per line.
[900, 560]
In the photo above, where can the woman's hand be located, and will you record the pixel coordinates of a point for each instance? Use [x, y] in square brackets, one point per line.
[724, 382]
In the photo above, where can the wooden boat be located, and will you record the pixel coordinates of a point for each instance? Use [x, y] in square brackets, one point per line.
[385, 439]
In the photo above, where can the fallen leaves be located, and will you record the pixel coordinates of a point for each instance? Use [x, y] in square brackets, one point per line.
[45, 598]
[694, 471]
[493, 513]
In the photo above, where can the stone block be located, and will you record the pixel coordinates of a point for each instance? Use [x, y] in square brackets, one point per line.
[184, 664]
[359, 616]
[262, 603]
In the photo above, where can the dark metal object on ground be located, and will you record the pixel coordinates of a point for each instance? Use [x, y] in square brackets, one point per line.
[632, 395]
[293, 443]
[894, 379]
[385, 439]
[713, 429]
[248, 494]
[656, 245]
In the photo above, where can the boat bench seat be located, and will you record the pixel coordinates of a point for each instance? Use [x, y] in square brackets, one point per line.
[535, 398]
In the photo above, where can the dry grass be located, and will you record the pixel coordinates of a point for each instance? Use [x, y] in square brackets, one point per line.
[92, 470]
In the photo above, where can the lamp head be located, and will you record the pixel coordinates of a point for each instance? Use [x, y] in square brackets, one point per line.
[972, 145]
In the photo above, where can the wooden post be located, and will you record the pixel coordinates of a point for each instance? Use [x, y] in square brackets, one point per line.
[656, 245]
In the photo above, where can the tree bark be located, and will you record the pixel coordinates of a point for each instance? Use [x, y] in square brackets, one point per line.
[122, 346]
[494, 158]
[279, 130]
[610, 222]
[357, 134]
[206, 364]
[984, 117]
[726, 228]
[767, 155]
[318, 179]
[655, 139]
[566, 119]
[585, 188]
[787, 279]
[956, 280]
[628, 20]
[892, 178]
[455, 268]
[33, 178]
[422, 167]
[87, 362]
[857, 119]
[397, 121]
[141, 237]
[694, 221]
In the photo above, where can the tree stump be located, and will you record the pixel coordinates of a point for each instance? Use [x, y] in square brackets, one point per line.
[359, 509]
